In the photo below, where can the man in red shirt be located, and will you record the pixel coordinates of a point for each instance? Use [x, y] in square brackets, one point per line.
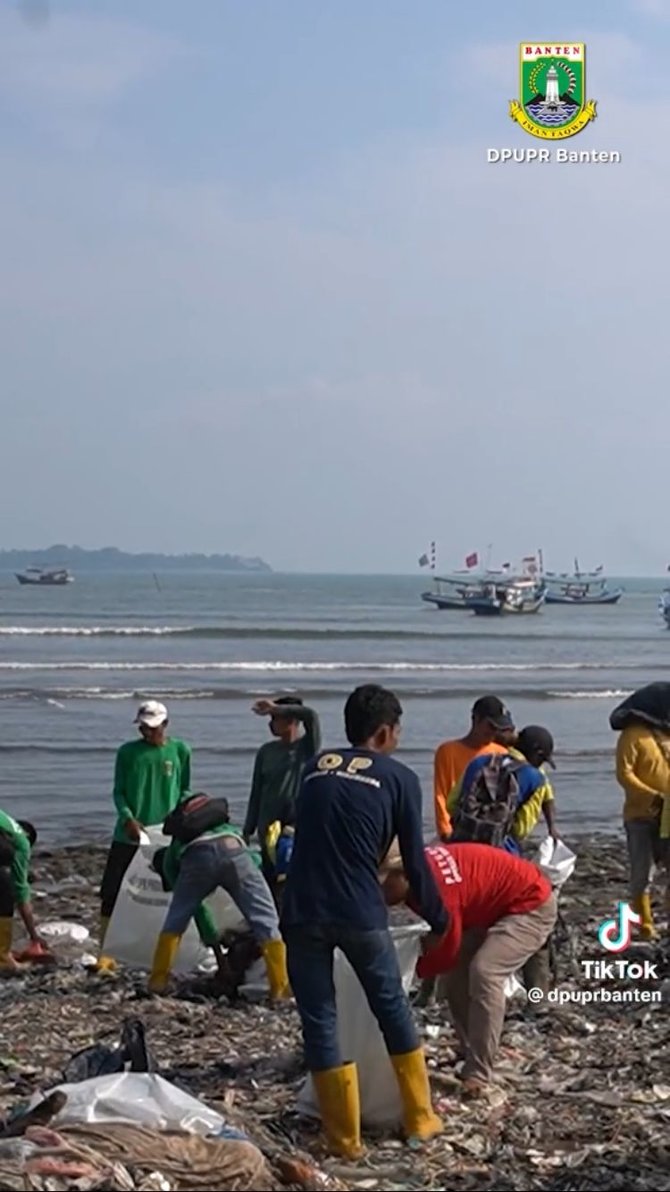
[501, 910]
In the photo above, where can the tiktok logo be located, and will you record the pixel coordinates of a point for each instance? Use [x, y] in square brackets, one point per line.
[614, 935]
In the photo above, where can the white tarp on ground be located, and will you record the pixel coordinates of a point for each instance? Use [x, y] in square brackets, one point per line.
[361, 1040]
[140, 912]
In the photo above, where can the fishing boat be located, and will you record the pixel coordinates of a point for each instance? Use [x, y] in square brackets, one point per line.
[38, 575]
[451, 591]
[582, 587]
[513, 595]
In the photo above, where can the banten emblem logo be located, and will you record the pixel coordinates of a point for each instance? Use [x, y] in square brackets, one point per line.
[552, 104]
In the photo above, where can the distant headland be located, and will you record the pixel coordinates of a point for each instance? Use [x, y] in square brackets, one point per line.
[110, 558]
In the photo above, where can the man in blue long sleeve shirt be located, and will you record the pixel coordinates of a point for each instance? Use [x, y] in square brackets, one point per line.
[352, 803]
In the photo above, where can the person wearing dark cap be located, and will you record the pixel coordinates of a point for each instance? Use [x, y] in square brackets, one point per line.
[533, 798]
[278, 770]
[534, 748]
[151, 776]
[491, 731]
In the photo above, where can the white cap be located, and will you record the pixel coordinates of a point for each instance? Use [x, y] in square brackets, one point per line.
[152, 714]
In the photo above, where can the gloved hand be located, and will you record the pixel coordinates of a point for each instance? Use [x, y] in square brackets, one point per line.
[284, 854]
[35, 953]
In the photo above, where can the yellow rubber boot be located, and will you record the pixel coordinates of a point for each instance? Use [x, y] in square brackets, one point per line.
[9, 967]
[642, 907]
[274, 955]
[419, 1121]
[164, 958]
[339, 1102]
[104, 964]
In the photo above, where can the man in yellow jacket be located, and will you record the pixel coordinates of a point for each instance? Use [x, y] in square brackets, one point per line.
[643, 770]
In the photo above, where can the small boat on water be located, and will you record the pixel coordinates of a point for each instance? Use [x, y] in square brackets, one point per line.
[515, 596]
[55, 577]
[664, 606]
[582, 587]
[451, 591]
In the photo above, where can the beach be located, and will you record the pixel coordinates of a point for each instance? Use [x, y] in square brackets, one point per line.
[585, 1098]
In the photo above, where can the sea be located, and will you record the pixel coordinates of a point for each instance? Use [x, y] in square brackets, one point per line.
[76, 660]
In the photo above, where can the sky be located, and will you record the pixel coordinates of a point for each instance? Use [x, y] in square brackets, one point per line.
[262, 292]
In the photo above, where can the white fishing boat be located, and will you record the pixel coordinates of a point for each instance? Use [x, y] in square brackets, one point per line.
[55, 577]
[515, 595]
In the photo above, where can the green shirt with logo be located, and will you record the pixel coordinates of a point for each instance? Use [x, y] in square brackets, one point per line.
[20, 867]
[149, 782]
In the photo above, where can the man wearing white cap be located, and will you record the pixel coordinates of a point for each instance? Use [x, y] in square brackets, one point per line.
[151, 776]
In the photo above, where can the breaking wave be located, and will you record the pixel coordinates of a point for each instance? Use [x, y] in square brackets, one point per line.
[311, 692]
[303, 632]
[271, 666]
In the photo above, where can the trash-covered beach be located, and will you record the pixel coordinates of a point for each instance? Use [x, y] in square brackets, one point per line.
[584, 1098]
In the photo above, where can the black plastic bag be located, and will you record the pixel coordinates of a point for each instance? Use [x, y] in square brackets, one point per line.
[649, 705]
[129, 1054]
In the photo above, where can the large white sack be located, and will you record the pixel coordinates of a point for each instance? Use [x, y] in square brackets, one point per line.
[362, 1042]
[556, 861]
[140, 911]
[140, 1097]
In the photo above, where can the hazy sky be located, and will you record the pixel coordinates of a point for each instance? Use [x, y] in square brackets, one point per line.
[262, 292]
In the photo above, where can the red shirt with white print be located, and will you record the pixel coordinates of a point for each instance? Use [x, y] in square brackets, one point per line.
[479, 885]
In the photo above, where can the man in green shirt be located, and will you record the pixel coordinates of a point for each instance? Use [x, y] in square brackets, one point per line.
[151, 776]
[17, 838]
[208, 853]
[278, 770]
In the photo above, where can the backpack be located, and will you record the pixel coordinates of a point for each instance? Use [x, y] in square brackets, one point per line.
[486, 808]
[193, 818]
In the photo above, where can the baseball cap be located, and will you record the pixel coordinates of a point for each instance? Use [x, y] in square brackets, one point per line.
[490, 708]
[534, 741]
[151, 713]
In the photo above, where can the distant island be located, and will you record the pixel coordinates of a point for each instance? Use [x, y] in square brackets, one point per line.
[110, 558]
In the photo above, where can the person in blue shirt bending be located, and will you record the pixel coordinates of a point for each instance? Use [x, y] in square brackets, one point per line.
[353, 802]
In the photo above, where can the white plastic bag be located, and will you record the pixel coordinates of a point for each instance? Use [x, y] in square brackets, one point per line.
[514, 987]
[140, 911]
[139, 1097]
[58, 931]
[361, 1040]
[556, 861]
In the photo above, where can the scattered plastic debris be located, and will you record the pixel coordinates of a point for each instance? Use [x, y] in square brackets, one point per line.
[586, 1104]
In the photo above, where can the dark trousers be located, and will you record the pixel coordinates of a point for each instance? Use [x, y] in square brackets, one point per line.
[6, 881]
[371, 954]
[118, 859]
[270, 875]
[6, 893]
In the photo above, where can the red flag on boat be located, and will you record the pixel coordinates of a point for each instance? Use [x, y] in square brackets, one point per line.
[472, 560]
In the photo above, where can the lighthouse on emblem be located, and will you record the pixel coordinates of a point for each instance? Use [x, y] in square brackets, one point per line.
[552, 98]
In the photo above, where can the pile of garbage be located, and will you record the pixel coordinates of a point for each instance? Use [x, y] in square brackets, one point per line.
[583, 1103]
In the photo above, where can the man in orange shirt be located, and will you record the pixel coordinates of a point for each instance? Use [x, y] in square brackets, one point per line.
[492, 731]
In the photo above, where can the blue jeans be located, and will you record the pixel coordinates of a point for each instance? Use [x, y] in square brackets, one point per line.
[210, 864]
[372, 956]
